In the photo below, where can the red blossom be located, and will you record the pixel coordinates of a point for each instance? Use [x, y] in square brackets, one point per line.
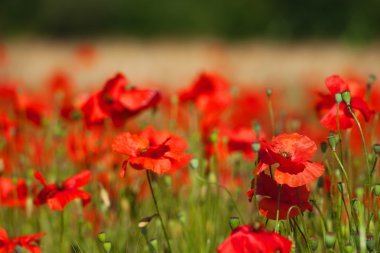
[57, 196]
[29, 242]
[289, 196]
[159, 151]
[328, 107]
[244, 239]
[13, 195]
[292, 153]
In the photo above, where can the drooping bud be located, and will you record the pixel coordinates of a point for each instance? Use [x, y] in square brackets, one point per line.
[333, 140]
[346, 95]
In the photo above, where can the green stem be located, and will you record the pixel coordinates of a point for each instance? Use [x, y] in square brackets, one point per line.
[339, 132]
[61, 232]
[278, 208]
[158, 211]
[271, 115]
[365, 156]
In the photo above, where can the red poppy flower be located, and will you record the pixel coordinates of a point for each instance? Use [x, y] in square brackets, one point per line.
[289, 196]
[13, 195]
[29, 242]
[118, 102]
[159, 151]
[210, 93]
[57, 196]
[244, 239]
[292, 153]
[7, 127]
[335, 84]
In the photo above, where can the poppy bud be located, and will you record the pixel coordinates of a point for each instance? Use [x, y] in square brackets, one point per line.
[376, 149]
[214, 136]
[107, 247]
[338, 97]
[341, 187]
[377, 189]
[257, 127]
[348, 248]
[370, 243]
[154, 244]
[330, 240]
[323, 146]
[346, 95]
[234, 222]
[371, 79]
[314, 243]
[194, 163]
[360, 192]
[269, 92]
[333, 140]
[256, 146]
[102, 237]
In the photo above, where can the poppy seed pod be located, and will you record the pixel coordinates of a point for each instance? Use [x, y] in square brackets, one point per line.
[346, 95]
[376, 149]
[314, 243]
[102, 237]
[269, 92]
[348, 248]
[256, 146]
[370, 243]
[333, 141]
[338, 97]
[107, 247]
[330, 240]
[234, 222]
[377, 189]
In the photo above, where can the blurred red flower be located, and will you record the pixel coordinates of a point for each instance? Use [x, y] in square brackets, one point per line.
[57, 196]
[292, 153]
[327, 105]
[289, 196]
[29, 242]
[118, 101]
[13, 195]
[210, 93]
[244, 239]
[159, 151]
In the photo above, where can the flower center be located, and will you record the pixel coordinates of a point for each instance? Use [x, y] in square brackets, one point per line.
[285, 154]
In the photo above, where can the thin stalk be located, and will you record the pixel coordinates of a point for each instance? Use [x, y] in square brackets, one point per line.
[278, 207]
[339, 132]
[158, 211]
[61, 232]
[271, 115]
[365, 156]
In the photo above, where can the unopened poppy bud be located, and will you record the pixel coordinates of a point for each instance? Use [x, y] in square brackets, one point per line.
[377, 189]
[154, 244]
[338, 97]
[357, 205]
[330, 240]
[323, 146]
[194, 163]
[107, 247]
[214, 136]
[346, 95]
[348, 248]
[359, 192]
[314, 243]
[102, 237]
[376, 149]
[370, 243]
[371, 79]
[234, 222]
[341, 187]
[333, 140]
[256, 146]
[269, 92]
[257, 127]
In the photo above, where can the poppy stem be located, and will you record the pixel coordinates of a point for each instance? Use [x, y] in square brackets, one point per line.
[271, 114]
[61, 232]
[369, 183]
[157, 210]
[278, 208]
[339, 132]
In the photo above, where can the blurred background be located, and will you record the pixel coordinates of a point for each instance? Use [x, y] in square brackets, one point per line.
[170, 41]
